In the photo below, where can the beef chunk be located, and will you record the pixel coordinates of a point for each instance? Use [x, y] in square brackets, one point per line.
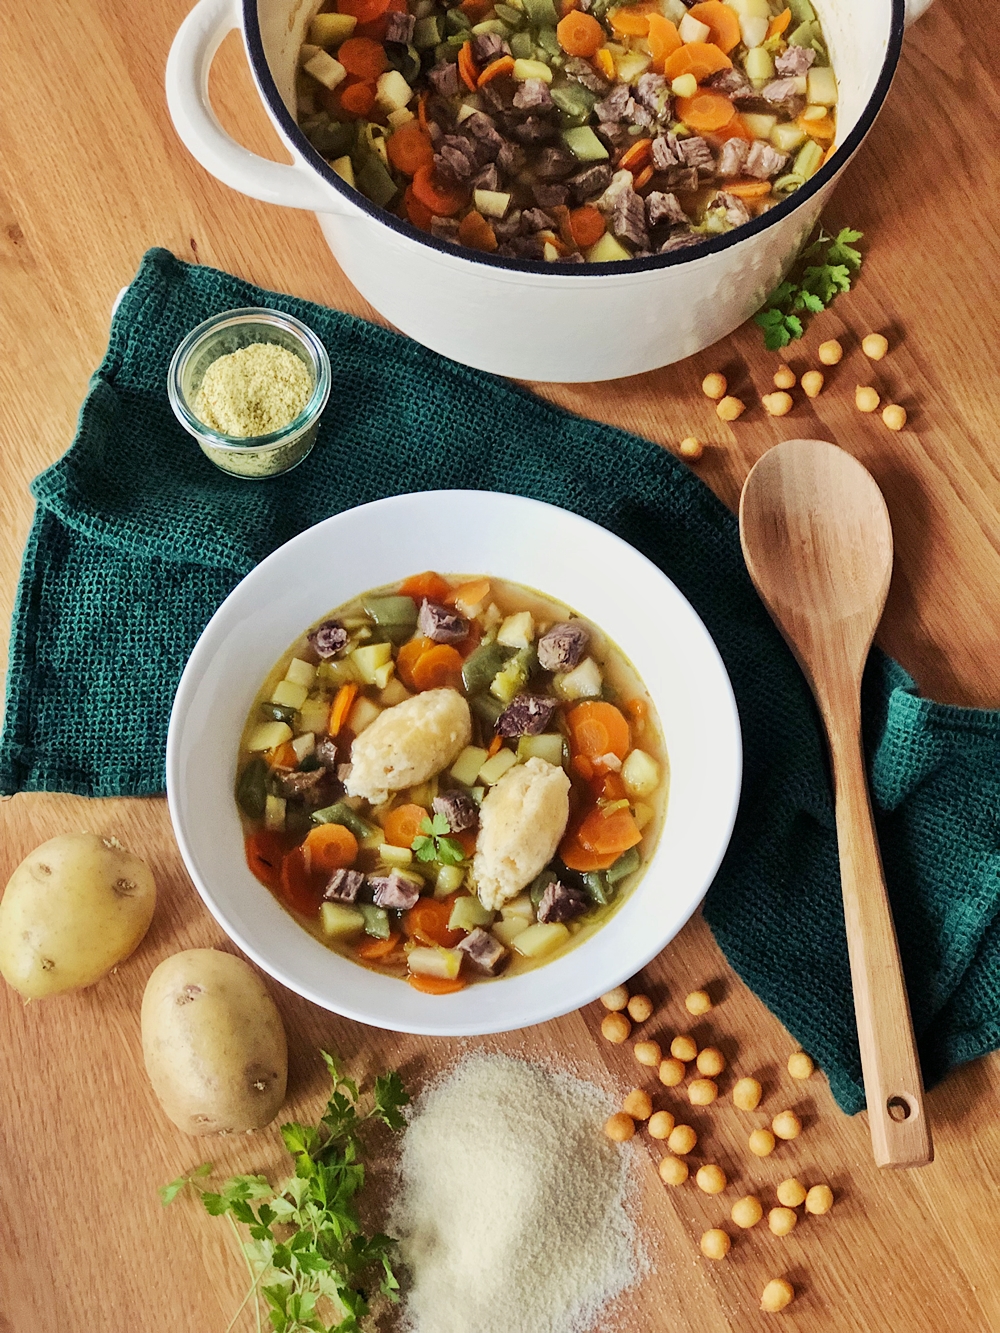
[505, 229]
[488, 178]
[533, 95]
[393, 890]
[488, 46]
[326, 753]
[662, 207]
[763, 161]
[444, 78]
[679, 241]
[562, 647]
[441, 623]
[481, 128]
[665, 153]
[485, 952]
[733, 155]
[533, 131]
[574, 257]
[445, 229]
[736, 210]
[554, 164]
[613, 136]
[695, 152]
[795, 61]
[399, 28]
[615, 105]
[526, 715]
[344, 886]
[308, 787]
[584, 72]
[549, 196]
[460, 810]
[498, 94]
[329, 639]
[782, 92]
[628, 219]
[562, 902]
[523, 247]
[592, 180]
[638, 115]
[732, 83]
[683, 178]
[652, 92]
[534, 219]
[456, 158]
[511, 157]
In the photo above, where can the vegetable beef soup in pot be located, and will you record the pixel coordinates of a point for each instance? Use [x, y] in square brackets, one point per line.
[514, 304]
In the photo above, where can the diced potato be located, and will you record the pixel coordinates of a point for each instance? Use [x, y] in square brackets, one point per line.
[402, 116]
[685, 85]
[541, 939]
[383, 674]
[787, 137]
[751, 8]
[494, 769]
[314, 715]
[331, 29]
[468, 913]
[392, 91]
[491, 203]
[325, 70]
[821, 85]
[691, 30]
[517, 631]
[532, 69]
[550, 253]
[306, 52]
[674, 10]
[302, 673]
[507, 931]
[467, 109]
[607, 251]
[641, 774]
[520, 908]
[340, 922]
[344, 169]
[759, 64]
[274, 813]
[362, 715]
[394, 693]
[449, 880]
[395, 856]
[368, 659]
[269, 735]
[289, 695]
[435, 962]
[760, 126]
[753, 29]
[548, 746]
[583, 682]
[642, 814]
[303, 745]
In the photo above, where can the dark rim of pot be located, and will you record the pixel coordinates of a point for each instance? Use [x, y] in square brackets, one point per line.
[269, 91]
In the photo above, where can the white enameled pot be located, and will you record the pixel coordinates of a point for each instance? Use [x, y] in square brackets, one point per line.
[523, 318]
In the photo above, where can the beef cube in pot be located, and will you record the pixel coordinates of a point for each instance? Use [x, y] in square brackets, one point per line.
[683, 178]
[695, 152]
[651, 92]
[736, 210]
[326, 753]
[460, 810]
[393, 890]
[488, 178]
[574, 257]
[498, 94]
[665, 152]
[763, 161]
[399, 28]
[562, 647]
[638, 115]
[441, 623]
[533, 130]
[615, 105]
[554, 164]
[549, 196]
[344, 886]
[794, 62]
[591, 181]
[562, 902]
[534, 219]
[510, 158]
[783, 93]
[483, 951]
[584, 72]
[732, 83]
[444, 78]
[662, 207]
[628, 219]
[307, 787]
[733, 155]
[613, 136]
[526, 715]
[505, 229]
[533, 95]
[329, 639]
[679, 241]
[445, 229]
[488, 46]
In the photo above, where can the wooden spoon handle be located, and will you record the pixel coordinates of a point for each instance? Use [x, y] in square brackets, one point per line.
[893, 1084]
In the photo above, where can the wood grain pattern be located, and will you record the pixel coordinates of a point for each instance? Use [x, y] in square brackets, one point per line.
[91, 174]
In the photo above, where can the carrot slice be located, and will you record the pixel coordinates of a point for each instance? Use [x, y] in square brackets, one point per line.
[374, 949]
[580, 34]
[596, 729]
[477, 233]
[429, 585]
[636, 156]
[495, 744]
[363, 10]
[723, 21]
[443, 201]
[408, 656]
[283, 756]
[502, 65]
[631, 20]
[698, 58]
[823, 129]
[643, 178]
[402, 825]
[664, 39]
[265, 852]
[342, 705]
[419, 214]
[476, 10]
[582, 766]
[586, 225]
[608, 835]
[749, 189]
[467, 67]
[356, 99]
[577, 857]
[706, 112]
[410, 148]
[435, 985]
[471, 593]
[377, 27]
[737, 129]
[778, 24]
[422, 112]
[331, 847]
[363, 58]
[604, 63]
[438, 667]
[567, 6]
[428, 921]
[300, 888]
[613, 788]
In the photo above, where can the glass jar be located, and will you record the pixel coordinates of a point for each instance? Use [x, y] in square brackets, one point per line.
[252, 456]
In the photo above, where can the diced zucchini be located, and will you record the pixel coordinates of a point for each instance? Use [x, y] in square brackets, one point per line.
[541, 13]
[427, 33]
[325, 70]
[548, 747]
[640, 774]
[784, 184]
[436, 962]
[541, 939]
[510, 680]
[802, 11]
[759, 65]
[691, 29]
[627, 863]
[331, 29]
[341, 813]
[583, 682]
[520, 907]
[760, 126]
[788, 136]
[274, 813]
[374, 181]
[494, 769]
[341, 922]
[517, 631]
[344, 168]
[394, 693]
[251, 789]
[507, 931]
[531, 69]
[455, 21]
[606, 251]
[507, 14]
[314, 715]
[395, 856]
[392, 92]
[303, 745]
[481, 666]
[449, 880]
[584, 144]
[362, 715]
[368, 659]
[633, 63]
[376, 920]
[287, 693]
[467, 913]
[486, 708]
[491, 203]
[466, 767]
[424, 793]
[808, 159]
[642, 814]
[269, 735]
[821, 86]
[521, 45]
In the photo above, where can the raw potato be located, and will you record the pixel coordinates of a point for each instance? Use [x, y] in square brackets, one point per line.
[73, 909]
[408, 744]
[213, 1043]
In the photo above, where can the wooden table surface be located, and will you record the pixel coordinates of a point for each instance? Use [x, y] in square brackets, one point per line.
[91, 174]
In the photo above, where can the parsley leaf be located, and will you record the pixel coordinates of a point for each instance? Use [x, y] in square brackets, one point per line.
[809, 287]
[431, 844]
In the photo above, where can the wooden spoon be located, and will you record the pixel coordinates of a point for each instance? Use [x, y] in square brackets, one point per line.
[818, 545]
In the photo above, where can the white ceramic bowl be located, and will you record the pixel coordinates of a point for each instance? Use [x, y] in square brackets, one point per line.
[468, 532]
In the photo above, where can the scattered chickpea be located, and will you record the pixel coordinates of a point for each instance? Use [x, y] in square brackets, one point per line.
[865, 399]
[819, 1200]
[615, 999]
[715, 1244]
[875, 346]
[777, 404]
[812, 383]
[616, 1028]
[698, 1002]
[673, 1171]
[640, 1007]
[830, 352]
[761, 1143]
[787, 1125]
[672, 1072]
[776, 1295]
[682, 1139]
[648, 1053]
[702, 1092]
[784, 378]
[730, 408]
[712, 1179]
[747, 1094]
[638, 1104]
[894, 416]
[800, 1065]
[619, 1127]
[747, 1212]
[711, 1062]
[782, 1220]
[661, 1124]
[691, 447]
[791, 1192]
[684, 1048]
[714, 385]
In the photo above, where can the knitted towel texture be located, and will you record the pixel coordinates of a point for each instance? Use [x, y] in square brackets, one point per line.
[137, 538]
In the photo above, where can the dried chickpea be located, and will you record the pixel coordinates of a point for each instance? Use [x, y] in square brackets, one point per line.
[787, 1125]
[648, 1053]
[616, 1028]
[730, 408]
[782, 1220]
[800, 1065]
[776, 1295]
[819, 1200]
[761, 1143]
[682, 1139]
[615, 999]
[684, 1048]
[640, 1007]
[791, 1192]
[812, 383]
[619, 1127]
[661, 1124]
[702, 1092]
[865, 399]
[711, 1062]
[712, 1179]
[777, 404]
[784, 378]
[747, 1212]
[747, 1094]
[638, 1104]
[875, 346]
[672, 1072]
[714, 385]
[698, 1002]
[894, 416]
[691, 447]
[715, 1244]
[830, 352]
[673, 1171]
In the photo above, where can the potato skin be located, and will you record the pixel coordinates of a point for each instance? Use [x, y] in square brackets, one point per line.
[72, 910]
[213, 1043]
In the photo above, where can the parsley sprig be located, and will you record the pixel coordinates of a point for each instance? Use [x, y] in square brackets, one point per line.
[307, 1253]
[810, 287]
[432, 845]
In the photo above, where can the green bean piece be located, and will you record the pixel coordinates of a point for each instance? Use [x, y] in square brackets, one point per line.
[376, 920]
[514, 18]
[541, 13]
[597, 887]
[374, 181]
[626, 863]
[486, 708]
[455, 21]
[391, 610]
[277, 712]
[482, 665]
[251, 789]
[521, 46]
[341, 813]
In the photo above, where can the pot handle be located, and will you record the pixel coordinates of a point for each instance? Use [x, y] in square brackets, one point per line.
[914, 8]
[190, 59]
